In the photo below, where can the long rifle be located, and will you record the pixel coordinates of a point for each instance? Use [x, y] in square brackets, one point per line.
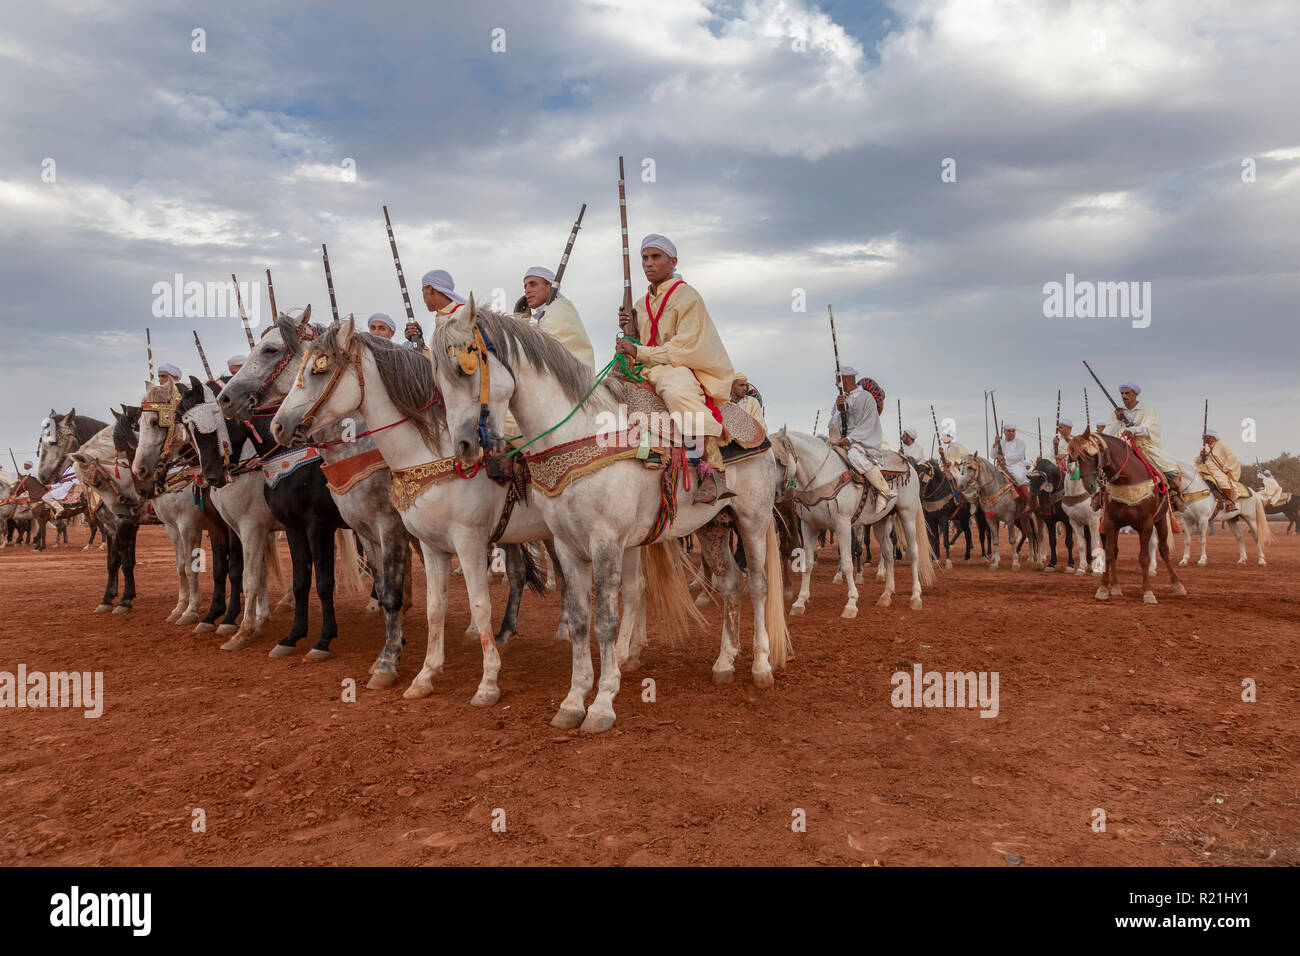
[1114, 404]
[148, 347]
[18, 475]
[816, 419]
[416, 338]
[270, 291]
[206, 367]
[839, 377]
[329, 281]
[1087, 420]
[997, 423]
[243, 316]
[942, 457]
[627, 260]
[521, 304]
[899, 401]
[1205, 422]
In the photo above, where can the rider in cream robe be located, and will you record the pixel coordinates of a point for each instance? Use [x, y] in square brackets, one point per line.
[864, 433]
[1218, 464]
[1011, 454]
[1273, 492]
[683, 358]
[1142, 422]
[59, 492]
[953, 452]
[747, 397]
[911, 450]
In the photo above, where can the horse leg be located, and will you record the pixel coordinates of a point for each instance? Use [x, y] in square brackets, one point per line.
[995, 543]
[323, 559]
[256, 599]
[1163, 540]
[182, 579]
[300, 555]
[390, 585]
[607, 567]
[810, 549]
[1240, 535]
[557, 572]
[437, 574]
[235, 575]
[1109, 584]
[114, 562]
[193, 560]
[516, 574]
[1145, 544]
[478, 580]
[220, 569]
[726, 578]
[846, 534]
[632, 631]
[881, 532]
[753, 529]
[577, 612]
[914, 556]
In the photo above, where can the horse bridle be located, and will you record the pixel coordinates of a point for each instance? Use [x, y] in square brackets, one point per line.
[166, 412]
[320, 363]
[471, 356]
[64, 436]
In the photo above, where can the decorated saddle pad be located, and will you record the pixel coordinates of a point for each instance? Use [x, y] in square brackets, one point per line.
[342, 475]
[276, 469]
[738, 426]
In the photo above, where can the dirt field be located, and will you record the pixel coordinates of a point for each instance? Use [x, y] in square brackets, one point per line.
[1133, 709]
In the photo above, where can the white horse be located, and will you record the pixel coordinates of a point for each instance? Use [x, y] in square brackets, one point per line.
[241, 503]
[837, 505]
[979, 482]
[1077, 505]
[613, 503]
[1201, 504]
[449, 510]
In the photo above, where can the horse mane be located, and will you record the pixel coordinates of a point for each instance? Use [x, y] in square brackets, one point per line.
[515, 339]
[407, 376]
[126, 429]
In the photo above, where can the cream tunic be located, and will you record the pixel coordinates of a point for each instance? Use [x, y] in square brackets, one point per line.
[560, 319]
[1146, 432]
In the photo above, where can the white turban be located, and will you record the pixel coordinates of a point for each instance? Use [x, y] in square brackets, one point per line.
[1066, 422]
[1132, 386]
[236, 360]
[911, 432]
[383, 319]
[1008, 426]
[948, 433]
[848, 370]
[662, 243]
[1267, 472]
[543, 273]
[170, 369]
[1211, 432]
[440, 280]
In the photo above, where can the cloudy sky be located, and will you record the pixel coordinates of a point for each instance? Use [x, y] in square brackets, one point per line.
[794, 145]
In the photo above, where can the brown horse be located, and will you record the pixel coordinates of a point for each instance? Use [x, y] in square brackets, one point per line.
[1135, 495]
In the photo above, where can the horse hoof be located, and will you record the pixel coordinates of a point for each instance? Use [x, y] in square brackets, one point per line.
[485, 698]
[1148, 597]
[189, 617]
[225, 629]
[723, 677]
[173, 617]
[317, 654]
[1182, 563]
[1180, 590]
[122, 609]
[796, 610]
[1241, 560]
[763, 679]
[381, 680]
[1202, 563]
[914, 604]
[373, 605]
[857, 578]
[561, 634]
[204, 627]
[1263, 562]
[1102, 594]
[849, 613]
[948, 564]
[418, 689]
[597, 723]
[1116, 592]
[103, 609]
[238, 642]
[884, 601]
[282, 650]
[1048, 570]
[630, 665]
[839, 578]
[568, 719]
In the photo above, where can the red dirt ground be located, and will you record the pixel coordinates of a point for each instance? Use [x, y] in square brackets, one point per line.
[1133, 709]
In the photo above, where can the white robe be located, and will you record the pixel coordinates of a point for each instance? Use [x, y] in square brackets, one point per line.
[1013, 452]
[1146, 434]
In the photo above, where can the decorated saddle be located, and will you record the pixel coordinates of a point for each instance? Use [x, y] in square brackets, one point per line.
[742, 436]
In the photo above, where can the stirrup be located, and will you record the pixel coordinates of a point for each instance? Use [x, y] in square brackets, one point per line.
[884, 499]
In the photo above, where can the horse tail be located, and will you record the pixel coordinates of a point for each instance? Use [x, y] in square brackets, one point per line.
[346, 571]
[271, 559]
[1263, 534]
[779, 647]
[668, 596]
[923, 552]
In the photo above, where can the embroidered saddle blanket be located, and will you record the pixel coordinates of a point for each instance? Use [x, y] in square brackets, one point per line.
[341, 476]
[276, 469]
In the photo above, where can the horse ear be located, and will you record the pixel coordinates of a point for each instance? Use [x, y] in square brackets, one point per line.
[196, 385]
[72, 413]
[346, 331]
[81, 458]
[306, 315]
[117, 416]
[131, 411]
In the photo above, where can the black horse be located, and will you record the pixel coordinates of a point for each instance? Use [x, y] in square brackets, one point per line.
[942, 507]
[227, 552]
[1046, 489]
[300, 501]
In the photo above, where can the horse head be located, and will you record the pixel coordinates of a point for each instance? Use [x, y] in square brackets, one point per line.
[58, 438]
[267, 373]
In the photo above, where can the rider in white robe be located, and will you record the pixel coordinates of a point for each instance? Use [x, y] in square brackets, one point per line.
[863, 435]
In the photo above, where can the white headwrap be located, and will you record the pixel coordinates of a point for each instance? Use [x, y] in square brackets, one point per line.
[948, 433]
[1132, 386]
[848, 370]
[1066, 422]
[542, 273]
[236, 360]
[1211, 432]
[170, 369]
[1008, 426]
[440, 281]
[911, 432]
[662, 243]
[383, 319]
